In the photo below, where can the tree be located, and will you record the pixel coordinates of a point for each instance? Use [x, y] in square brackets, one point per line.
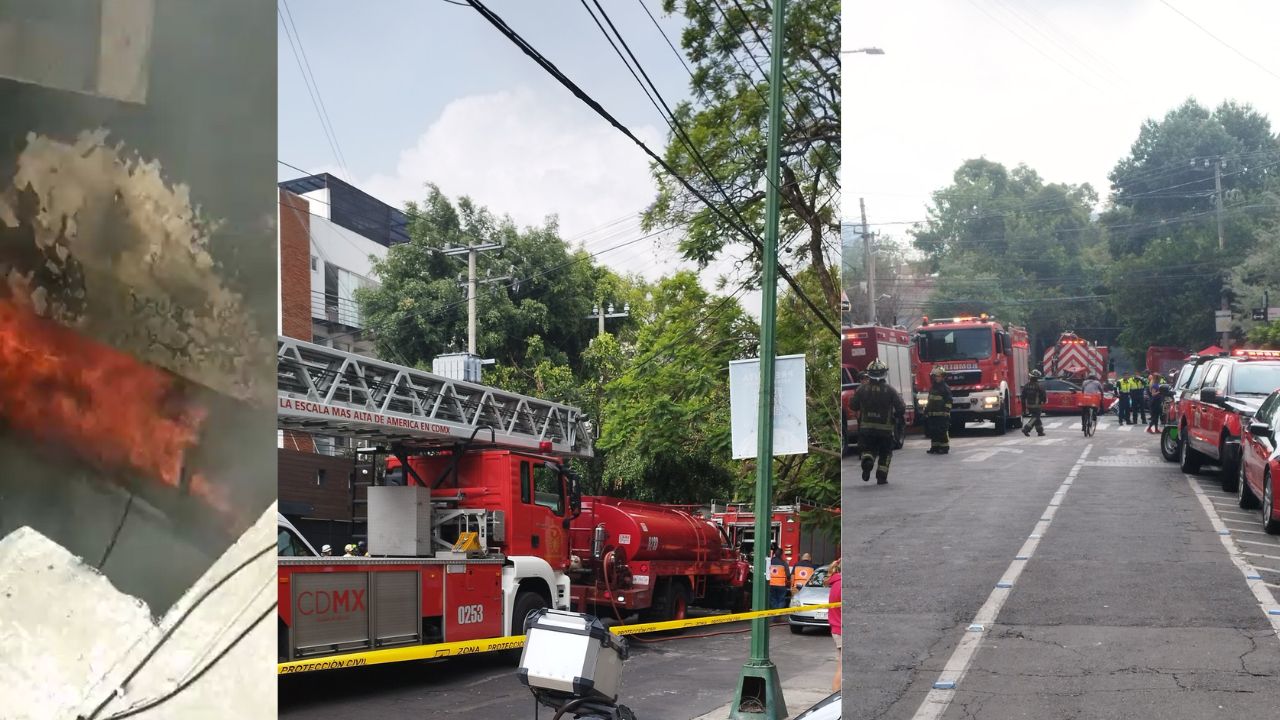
[815, 476]
[665, 422]
[727, 124]
[1169, 273]
[419, 310]
[1007, 243]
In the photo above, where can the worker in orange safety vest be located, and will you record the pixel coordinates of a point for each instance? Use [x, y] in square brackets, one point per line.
[779, 580]
[802, 572]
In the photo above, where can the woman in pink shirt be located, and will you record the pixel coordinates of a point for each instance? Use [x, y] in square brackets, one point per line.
[833, 616]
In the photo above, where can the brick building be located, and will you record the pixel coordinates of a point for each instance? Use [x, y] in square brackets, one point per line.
[330, 235]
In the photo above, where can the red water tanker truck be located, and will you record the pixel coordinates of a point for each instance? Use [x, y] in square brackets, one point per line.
[652, 558]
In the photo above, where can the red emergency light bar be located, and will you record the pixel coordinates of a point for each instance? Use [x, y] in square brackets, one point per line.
[982, 317]
[1248, 353]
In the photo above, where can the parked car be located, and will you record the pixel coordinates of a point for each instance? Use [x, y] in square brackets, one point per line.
[1063, 396]
[1190, 375]
[1260, 463]
[814, 592]
[1211, 416]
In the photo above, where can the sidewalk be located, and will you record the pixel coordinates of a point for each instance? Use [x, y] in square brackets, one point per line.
[800, 693]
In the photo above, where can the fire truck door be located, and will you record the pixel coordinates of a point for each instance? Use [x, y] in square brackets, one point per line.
[473, 601]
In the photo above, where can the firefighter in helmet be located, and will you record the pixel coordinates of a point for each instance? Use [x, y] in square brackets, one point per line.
[938, 413]
[1033, 399]
[880, 409]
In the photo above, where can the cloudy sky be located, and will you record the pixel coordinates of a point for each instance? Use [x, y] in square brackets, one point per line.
[1061, 85]
[425, 91]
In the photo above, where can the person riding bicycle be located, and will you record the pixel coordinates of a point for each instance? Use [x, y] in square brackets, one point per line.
[1090, 387]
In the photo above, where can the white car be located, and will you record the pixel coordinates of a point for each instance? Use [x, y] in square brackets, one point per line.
[812, 593]
[827, 709]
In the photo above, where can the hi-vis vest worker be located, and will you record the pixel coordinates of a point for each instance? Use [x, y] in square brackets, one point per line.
[777, 575]
[800, 576]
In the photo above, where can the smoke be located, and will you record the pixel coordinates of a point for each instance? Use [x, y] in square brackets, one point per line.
[97, 240]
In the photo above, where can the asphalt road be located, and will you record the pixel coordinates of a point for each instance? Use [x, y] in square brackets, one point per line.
[677, 679]
[1128, 604]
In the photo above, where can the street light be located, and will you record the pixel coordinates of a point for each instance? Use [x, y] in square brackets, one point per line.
[867, 50]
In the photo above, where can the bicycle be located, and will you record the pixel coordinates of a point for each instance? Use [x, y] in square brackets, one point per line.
[1091, 423]
[1091, 402]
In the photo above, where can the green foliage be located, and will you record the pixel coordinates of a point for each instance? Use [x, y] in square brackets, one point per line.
[727, 122]
[1007, 243]
[1004, 241]
[419, 311]
[665, 417]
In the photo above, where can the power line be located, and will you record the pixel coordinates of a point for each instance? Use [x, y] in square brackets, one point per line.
[1224, 43]
[664, 37]
[541, 60]
[165, 637]
[308, 78]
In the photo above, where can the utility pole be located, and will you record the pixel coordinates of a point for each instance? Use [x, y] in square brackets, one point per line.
[870, 261]
[1222, 241]
[759, 686]
[598, 312]
[472, 252]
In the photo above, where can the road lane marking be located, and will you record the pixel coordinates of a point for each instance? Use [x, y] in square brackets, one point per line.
[1251, 515]
[987, 453]
[942, 691]
[1269, 557]
[1266, 600]
[1263, 544]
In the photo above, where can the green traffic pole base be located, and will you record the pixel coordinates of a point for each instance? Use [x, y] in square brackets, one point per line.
[759, 694]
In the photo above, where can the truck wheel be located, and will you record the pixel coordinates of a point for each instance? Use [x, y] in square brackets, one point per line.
[1002, 420]
[1169, 443]
[1228, 475]
[1188, 459]
[526, 602]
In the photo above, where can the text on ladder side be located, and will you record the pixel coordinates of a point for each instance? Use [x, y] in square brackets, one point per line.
[312, 408]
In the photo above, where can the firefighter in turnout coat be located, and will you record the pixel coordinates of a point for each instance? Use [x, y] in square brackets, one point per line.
[879, 408]
[1033, 399]
[938, 413]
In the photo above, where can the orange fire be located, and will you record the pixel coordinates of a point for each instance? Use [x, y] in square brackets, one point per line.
[112, 412]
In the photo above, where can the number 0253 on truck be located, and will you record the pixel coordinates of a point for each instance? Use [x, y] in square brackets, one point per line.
[474, 519]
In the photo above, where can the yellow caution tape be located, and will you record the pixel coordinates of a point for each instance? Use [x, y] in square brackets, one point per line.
[512, 642]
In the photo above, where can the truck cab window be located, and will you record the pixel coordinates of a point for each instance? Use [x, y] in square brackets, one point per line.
[288, 545]
[546, 485]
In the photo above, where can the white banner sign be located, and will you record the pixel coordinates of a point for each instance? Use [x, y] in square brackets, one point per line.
[790, 419]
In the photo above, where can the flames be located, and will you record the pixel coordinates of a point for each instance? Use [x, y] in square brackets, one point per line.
[82, 398]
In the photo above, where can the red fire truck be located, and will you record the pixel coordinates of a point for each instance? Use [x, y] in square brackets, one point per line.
[475, 520]
[860, 345]
[1073, 358]
[986, 365]
[785, 530]
[1165, 360]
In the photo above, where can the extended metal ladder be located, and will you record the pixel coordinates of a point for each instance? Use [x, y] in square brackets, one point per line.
[330, 392]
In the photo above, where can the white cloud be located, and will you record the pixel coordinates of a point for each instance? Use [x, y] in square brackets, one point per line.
[529, 156]
[1062, 86]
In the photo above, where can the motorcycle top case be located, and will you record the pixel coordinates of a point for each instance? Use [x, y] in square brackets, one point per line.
[571, 654]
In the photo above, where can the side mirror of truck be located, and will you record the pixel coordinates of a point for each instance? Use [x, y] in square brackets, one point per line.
[1006, 342]
[1209, 395]
[1260, 429]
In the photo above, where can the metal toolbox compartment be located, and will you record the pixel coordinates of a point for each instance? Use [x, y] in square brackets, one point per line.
[572, 655]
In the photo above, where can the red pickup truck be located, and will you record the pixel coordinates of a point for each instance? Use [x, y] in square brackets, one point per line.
[1211, 415]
